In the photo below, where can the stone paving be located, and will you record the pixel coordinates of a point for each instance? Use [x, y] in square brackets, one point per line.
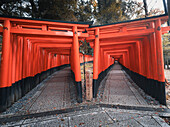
[97, 117]
[119, 89]
[55, 95]
[115, 108]
[167, 76]
[56, 92]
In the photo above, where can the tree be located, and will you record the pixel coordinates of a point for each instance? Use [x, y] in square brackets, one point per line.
[110, 11]
[85, 10]
[132, 9]
[146, 8]
[155, 11]
[56, 9]
[166, 48]
[19, 8]
[68, 10]
[85, 49]
[101, 11]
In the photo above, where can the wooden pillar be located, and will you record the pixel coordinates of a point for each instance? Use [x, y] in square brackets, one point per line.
[49, 60]
[132, 68]
[4, 65]
[148, 80]
[95, 63]
[147, 58]
[139, 57]
[13, 65]
[5, 54]
[123, 58]
[71, 60]
[102, 57]
[153, 52]
[105, 59]
[161, 76]
[77, 71]
[20, 74]
[9, 86]
[25, 65]
[134, 58]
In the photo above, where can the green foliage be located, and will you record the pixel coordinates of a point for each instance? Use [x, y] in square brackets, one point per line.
[85, 48]
[110, 13]
[68, 10]
[15, 8]
[166, 44]
[100, 11]
[56, 9]
[117, 10]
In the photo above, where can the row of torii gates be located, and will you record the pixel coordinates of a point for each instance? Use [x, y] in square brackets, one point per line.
[34, 49]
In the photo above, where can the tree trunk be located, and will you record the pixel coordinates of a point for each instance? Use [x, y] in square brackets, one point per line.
[84, 74]
[167, 64]
[34, 9]
[168, 2]
[146, 8]
[165, 7]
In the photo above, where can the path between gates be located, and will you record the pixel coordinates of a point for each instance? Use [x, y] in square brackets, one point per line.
[53, 103]
[119, 90]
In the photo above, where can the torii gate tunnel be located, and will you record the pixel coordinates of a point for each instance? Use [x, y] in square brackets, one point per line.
[34, 49]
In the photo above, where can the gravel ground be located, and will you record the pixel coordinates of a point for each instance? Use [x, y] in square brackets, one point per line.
[24, 101]
[151, 101]
[31, 96]
[95, 117]
[167, 76]
[24, 105]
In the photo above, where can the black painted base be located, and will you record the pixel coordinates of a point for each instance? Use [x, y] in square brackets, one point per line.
[152, 87]
[95, 87]
[79, 92]
[78, 86]
[3, 98]
[96, 82]
[9, 95]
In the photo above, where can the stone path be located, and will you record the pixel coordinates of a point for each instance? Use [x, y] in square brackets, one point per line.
[55, 95]
[96, 117]
[56, 92]
[167, 76]
[119, 90]
[53, 103]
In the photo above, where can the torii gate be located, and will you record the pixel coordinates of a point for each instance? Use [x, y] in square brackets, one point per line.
[33, 49]
[137, 45]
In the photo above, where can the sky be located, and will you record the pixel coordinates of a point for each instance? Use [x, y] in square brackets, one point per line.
[154, 4]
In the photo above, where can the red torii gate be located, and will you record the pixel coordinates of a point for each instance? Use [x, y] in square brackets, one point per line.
[34, 49]
[137, 45]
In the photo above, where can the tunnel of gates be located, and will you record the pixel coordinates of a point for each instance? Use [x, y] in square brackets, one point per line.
[34, 49]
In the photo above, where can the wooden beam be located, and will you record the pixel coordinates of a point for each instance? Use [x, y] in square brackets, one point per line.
[123, 34]
[55, 45]
[49, 33]
[132, 23]
[37, 22]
